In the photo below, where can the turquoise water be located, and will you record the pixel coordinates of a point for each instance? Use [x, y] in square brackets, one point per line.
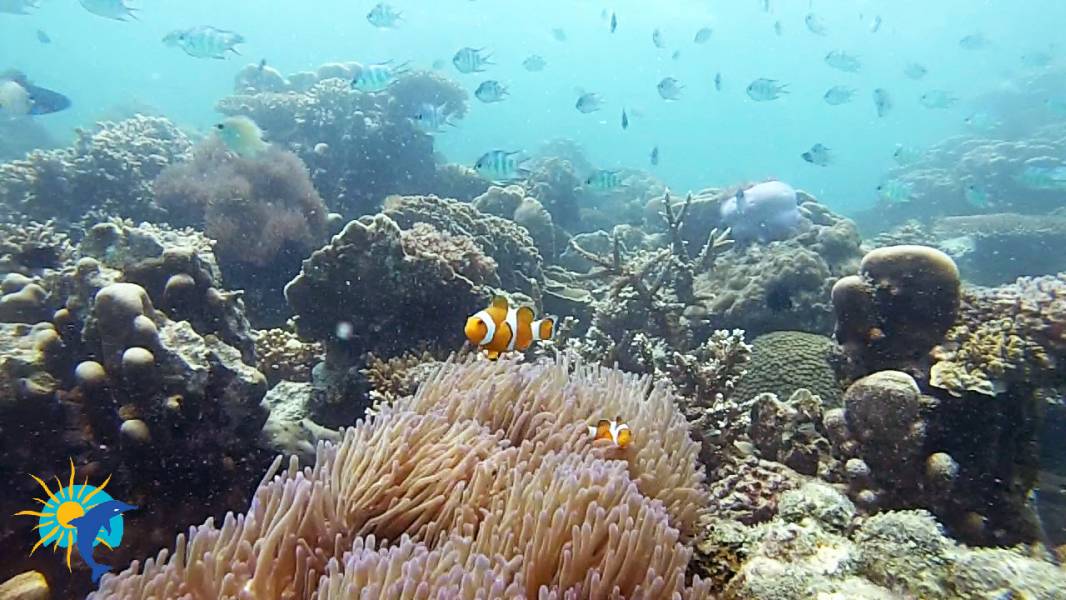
[708, 138]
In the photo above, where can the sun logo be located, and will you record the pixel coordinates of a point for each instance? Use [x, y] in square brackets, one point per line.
[78, 516]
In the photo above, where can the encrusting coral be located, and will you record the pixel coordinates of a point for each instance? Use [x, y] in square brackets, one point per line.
[486, 478]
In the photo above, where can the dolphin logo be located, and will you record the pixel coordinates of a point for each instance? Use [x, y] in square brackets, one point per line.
[89, 524]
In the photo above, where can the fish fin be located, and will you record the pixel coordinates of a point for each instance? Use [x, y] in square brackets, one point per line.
[499, 302]
[98, 571]
[235, 51]
[492, 354]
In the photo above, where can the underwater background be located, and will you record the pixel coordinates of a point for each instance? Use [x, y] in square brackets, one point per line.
[757, 299]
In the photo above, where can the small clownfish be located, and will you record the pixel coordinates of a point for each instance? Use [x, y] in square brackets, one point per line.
[500, 328]
[616, 431]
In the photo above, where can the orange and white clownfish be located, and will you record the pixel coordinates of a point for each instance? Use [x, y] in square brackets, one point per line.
[500, 328]
[616, 431]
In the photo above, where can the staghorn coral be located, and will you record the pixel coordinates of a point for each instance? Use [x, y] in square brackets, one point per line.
[465, 489]
[108, 169]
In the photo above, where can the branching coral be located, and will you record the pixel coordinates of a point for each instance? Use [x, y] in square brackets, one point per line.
[283, 356]
[479, 484]
[31, 248]
[110, 168]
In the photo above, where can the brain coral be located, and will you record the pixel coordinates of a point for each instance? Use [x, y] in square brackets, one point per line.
[785, 361]
[485, 484]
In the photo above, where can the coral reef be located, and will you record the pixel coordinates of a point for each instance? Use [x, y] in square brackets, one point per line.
[168, 408]
[974, 175]
[359, 147]
[260, 211]
[817, 547]
[108, 170]
[901, 304]
[512, 203]
[32, 248]
[283, 356]
[785, 361]
[452, 470]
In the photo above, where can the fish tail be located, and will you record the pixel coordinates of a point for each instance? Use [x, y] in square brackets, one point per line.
[98, 570]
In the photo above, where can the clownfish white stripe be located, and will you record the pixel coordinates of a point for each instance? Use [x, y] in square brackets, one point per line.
[490, 327]
[512, 322]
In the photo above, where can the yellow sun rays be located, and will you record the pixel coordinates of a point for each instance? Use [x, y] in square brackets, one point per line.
[57, 532]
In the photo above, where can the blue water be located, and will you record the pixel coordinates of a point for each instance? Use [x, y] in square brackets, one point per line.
[707, 138]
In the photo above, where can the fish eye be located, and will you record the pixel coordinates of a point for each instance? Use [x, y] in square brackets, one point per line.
[220, 126]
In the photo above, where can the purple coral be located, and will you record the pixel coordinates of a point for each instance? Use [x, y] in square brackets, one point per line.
[763, 212]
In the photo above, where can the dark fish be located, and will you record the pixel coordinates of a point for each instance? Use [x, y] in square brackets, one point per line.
[882, 101]
[655, 156]
[614, 22]
[718, 82]
[819, 155]
[676, 55]
[703, 35]
[559, 34]
[43, 37]
[30, 99]
[262, 65]
[625, 119]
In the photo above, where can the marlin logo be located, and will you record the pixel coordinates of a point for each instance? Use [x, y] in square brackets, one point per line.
[98, 517]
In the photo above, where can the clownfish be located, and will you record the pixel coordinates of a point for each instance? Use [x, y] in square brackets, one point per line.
[616, 431]
[500, 328]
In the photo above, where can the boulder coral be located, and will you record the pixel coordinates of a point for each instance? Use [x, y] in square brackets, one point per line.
[901, 304]
[459, 483]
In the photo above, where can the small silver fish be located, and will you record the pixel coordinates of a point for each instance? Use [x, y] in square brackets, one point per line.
[839, 94]
[432, 118]
[625, 119]
[559, 35]
[1037, 58]
[915, 71]
[670, 89]
[534, 62]
[589, 102]
[614, 22]
[655, 156]
[764, 90]
[882, 102]
[838, 59]
[937, 99]
[1056, 105]
[983, 122]
[603, 180]
[779, 29]
[818, 155]
[703, 35]
[43, 37]
[491, 91]
[676, 55]
[204, 41]
[815, 25]
[974, 41]
[378, 76]
[471, 60]
[895, 191]
[976, 196]
[718, 81]
[383, 16]
[905, 155]
[499, 165]
[1042, 177]
[657, 39]
[875, 26]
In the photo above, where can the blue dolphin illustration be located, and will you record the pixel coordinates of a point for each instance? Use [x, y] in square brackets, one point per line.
[89, 524]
